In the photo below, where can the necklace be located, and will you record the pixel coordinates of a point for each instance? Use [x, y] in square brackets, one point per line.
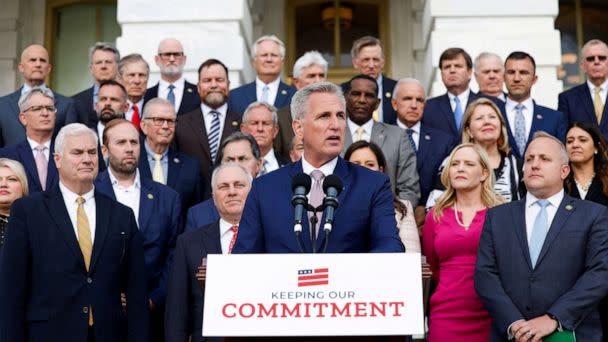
[586, 186]
[466, 227]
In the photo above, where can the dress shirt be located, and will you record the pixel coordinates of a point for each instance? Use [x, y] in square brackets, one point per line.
[47, 150]
[128, 196]
[380, 92]
[273, 89]
[367, 129]
[208, 117]
[464, 100]
[271, 161]
[532, 210]
[528, 112]
[100, 128]
[140, 106]
[95, 92]
[27, 88]
[327, 168]
[178, 91]
[415, 131]
[69, 198]
[226, 235]
[603, 91]
[164, 160]
[502, 97]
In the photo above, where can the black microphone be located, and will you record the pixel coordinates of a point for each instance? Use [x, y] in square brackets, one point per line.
[332, 186]
[300, 185]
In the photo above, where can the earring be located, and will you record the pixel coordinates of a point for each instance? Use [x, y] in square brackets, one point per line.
[595, 152]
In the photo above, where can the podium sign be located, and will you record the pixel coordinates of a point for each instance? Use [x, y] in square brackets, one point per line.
[313, 295]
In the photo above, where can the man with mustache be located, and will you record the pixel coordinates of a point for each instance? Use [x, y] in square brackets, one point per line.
[200, 132]
[133, 73]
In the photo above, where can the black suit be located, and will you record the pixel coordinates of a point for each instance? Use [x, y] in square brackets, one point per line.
[22, 153]
[190, 98]
[85, 108]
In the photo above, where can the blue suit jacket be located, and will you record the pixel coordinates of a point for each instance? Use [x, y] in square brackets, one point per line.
[12, 131]
[243, 96]
[45, 286]
[389, 115]
[544, 119]
[85, 108]
[433, 146]
[23, 154]
[184, 176]
[184, 312]
[569, 279]
[438, 114]
[577, 104]
[160, 224]
[364, 221]
[190, 99]
[202, 214]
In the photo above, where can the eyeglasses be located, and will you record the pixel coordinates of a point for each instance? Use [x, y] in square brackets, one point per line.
[592, 58]
[161, 121]
[167, 55]
[39, 109]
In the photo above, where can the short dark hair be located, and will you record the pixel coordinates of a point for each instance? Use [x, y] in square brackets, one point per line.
[210, 62]
[239, 136]
[520, 55]
[108, 127]
[453, 53]
[113, 83]
[362, 77]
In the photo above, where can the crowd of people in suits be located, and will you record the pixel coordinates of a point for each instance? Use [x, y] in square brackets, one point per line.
[111, 200]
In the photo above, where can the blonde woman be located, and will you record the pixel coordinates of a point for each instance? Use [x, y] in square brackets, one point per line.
[13, 185]
[449, 239]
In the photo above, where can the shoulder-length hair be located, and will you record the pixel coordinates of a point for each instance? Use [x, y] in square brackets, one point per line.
[600, 159]
[18, 170]
[503, 139]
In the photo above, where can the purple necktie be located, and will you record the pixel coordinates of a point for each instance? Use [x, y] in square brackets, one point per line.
[41, 165]
[317, 195]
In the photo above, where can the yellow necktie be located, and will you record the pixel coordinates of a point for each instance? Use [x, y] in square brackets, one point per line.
[157, 174]
[359, 132]
[598, 105]
[84, 240]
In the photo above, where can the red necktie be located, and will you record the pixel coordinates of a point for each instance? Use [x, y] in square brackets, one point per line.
[235, 230]
[135, 119]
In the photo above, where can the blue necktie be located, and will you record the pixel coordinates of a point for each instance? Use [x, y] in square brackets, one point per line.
[171, 95]
[264, 97]
[457, 112]
[214, 135]
[520, 129]
[539, 231]
[410, 138]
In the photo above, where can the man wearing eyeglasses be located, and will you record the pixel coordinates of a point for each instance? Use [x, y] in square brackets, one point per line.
[162, 163]
[37, 114]
[587, 102]
[172, 86]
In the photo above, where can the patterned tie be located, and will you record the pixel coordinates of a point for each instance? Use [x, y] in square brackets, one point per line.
[41, 165]
[265, 91]
[539, 231]
[410, 138]
[597, 104]
[171, 95]
[235, 230]
[317, 195]
[214, 135]
[457, 112]
[520, 129]
[84, 240]
[157, 174]
[264, 169]
[359, 131]
[135, 119]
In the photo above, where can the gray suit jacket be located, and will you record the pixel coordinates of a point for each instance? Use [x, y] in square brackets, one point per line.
[400, 159]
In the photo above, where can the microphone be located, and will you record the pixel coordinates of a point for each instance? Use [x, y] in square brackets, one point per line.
[332, 186]
[300, 185]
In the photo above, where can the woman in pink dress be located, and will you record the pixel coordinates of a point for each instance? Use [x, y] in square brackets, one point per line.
[449, 240]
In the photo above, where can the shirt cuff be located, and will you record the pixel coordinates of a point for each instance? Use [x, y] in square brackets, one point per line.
[509, 333]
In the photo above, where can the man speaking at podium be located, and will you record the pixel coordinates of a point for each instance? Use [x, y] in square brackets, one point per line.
[365, 218]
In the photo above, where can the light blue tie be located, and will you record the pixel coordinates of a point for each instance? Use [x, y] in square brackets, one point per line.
[457, 112]
[171, 95]
[214, 135]
[264, 97]
[520, 129]
[539, 231]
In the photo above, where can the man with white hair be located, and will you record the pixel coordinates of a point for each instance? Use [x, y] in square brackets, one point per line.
[172, 85]
[268, 55]
[489, 74]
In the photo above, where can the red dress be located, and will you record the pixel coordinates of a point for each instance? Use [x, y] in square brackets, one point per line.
[456, 314]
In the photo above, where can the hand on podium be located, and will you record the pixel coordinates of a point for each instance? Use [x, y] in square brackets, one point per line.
[201, 273]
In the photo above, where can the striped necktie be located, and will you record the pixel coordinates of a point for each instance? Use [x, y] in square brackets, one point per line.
[214, 135]
[84, 240]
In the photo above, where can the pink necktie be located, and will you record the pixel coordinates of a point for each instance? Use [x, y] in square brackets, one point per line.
[235, 230]
[41, 165]
[317, 195]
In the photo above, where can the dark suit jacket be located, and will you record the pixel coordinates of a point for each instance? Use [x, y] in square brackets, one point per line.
[184, 176]
[438, 114]
[45, 286]
[568, 280]
[364, 221]
[184, 313]
[245, 95]
[433, 147]
[577, 104]
[389, 115]
[160, 224]
[85, 108]
[23, 154]
[594, 194]
[12, 131]
[190, 99]
[202, 214]
[282, 142]
[544, 119]
[191, 138]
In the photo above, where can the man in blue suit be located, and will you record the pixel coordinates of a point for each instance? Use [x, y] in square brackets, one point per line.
[522, 114]
[541, 262]
[35, 153]
[365, 219]
[268, 54]
[157, 210]
[69, 254]
[587, 102]
[34, 67]
[445, 112]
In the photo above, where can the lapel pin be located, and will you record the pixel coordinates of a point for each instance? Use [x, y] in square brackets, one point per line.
[539, 117]
[388, 94]
[235, 123]
[569, 207]
[427, 137]
[283, 92]
[150, 196]
[176, 160]
[189, 90]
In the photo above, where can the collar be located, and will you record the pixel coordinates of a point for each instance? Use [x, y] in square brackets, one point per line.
[327, 168]
[95, 89]
[415, 128]
[273, 84]
[179, 84]
[70, 197]
[603, 86]
[555, 200]
[225, 226]
[221, 109]
[26, 87]
[114, 181]
[140, 106]
[464, 96]
[352, 127]
[34, 144]
[151, 153]
[527, 103]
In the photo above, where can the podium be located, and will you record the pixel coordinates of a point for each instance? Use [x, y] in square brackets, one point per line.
[255, 295]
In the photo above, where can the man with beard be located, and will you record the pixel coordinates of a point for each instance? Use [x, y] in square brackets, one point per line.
[133, 72]
[200, 132]
[172, 86]
[157, 210]
[111, 104]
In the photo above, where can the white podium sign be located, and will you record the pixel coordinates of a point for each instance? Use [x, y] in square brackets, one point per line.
[313, 295]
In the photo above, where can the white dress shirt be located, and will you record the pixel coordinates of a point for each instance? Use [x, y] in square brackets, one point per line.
[47, 150]
[527, 111]
[532, 210]
[225, 235]
[273, 89]
[129, 113]
[271, 161]
[178, 91]
[69, 198]
[128, 196]
[208, 117]
[327, 168]
[415, 131]
[367, 129]
[380, 92]
[603, 91]
[464, 100]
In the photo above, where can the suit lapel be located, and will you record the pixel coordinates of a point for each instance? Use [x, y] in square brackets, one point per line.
[174, 168]
[147, 198]
[305, 236]
[342, 171]
[51, 174]
[566, 208]
[281, 99]
[102, 225]
[586, 99]
[211, 238]
[512, 144]
[14, 102]
[424, 143]
[446, 110]
[197, 124]
[518, 214]
[537, 122]
[377, 135]
[27, 158]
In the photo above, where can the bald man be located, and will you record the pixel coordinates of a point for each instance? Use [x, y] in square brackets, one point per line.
[172, 85]
[35, 67]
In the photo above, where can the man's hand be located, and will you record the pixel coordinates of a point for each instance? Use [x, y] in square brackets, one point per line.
[533, 330]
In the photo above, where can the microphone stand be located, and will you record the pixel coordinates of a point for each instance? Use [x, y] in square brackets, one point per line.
[313, 225]
[299, 239]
